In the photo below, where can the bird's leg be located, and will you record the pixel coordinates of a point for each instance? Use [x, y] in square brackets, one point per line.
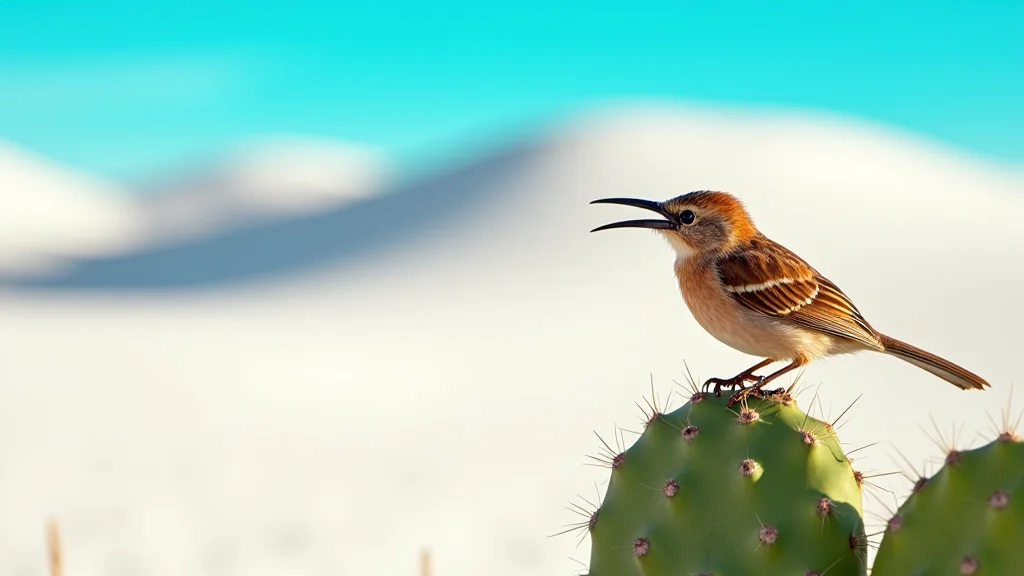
[737, 380]
[756, 388]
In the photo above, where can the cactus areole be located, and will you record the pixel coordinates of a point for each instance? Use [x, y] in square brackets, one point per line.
[757, 489]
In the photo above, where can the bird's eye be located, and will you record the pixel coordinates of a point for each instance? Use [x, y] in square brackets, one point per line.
[687, 217]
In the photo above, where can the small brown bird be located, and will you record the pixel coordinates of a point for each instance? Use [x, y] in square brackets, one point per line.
[758, 297]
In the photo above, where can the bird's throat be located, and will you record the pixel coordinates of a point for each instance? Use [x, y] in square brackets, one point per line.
[681, 247]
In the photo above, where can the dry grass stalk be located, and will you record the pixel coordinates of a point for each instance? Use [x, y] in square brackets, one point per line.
[54, 545]
[425, 563]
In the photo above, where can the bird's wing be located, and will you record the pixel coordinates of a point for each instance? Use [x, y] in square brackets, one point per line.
[769, 279]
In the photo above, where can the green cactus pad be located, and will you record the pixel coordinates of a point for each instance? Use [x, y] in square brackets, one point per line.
[966, 519]
[716, 491]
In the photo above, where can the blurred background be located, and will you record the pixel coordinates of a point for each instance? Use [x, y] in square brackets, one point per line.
[306, 288]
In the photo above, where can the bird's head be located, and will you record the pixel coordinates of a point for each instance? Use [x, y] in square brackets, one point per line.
[701, 222]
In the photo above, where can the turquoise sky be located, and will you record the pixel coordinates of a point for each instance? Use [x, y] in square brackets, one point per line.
[126, 88]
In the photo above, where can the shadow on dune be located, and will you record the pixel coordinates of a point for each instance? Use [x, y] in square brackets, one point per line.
[295, 244]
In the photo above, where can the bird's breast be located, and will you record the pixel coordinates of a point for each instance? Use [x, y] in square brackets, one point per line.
[707, 301]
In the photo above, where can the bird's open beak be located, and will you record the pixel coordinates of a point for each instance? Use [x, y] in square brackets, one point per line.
[646, 205]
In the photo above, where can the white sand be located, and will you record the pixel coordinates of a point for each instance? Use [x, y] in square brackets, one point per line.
[444, 391]
[267, 178]
[50, 212]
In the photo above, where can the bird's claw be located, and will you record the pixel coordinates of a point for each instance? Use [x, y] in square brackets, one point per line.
[732, 383]
[739, 396]
[744, 393]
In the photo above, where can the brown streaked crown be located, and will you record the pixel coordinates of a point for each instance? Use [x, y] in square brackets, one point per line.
[713, 201]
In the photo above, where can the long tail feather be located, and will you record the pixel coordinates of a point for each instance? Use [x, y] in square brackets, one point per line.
[955, 375]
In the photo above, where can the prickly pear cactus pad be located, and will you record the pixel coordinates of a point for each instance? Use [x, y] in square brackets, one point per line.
[966, 519]
[709, 490]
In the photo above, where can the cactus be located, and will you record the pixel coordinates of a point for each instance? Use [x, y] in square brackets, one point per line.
[967, 519]
[709, 490]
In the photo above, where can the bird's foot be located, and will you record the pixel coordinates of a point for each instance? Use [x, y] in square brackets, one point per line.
[719, 383]
[745, 393]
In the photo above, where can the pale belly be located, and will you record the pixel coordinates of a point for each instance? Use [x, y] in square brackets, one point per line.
[743, 329]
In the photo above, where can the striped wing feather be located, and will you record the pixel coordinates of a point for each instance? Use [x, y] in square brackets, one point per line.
[769, 279]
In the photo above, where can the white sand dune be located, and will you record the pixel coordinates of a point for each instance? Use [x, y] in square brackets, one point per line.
[265, 179]
[51, 212]
[440, 388]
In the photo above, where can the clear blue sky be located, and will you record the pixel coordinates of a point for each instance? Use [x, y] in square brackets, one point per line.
[122, 88]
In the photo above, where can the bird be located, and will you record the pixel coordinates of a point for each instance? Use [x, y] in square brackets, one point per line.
[760, 298]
